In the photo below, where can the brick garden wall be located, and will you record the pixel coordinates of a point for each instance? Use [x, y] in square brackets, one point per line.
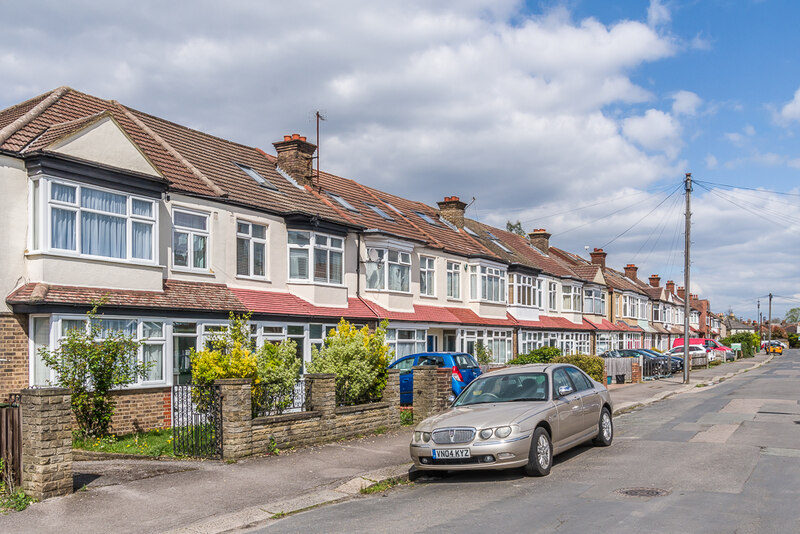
[142, 409]
[13, 354]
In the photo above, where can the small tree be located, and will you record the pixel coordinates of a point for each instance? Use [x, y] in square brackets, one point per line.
[793, 315]
[92, 363]
[358, 358]
[515, 228]
[483, 354]
[277, 367]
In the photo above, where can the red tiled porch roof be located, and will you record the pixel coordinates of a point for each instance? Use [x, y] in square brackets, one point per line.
[556, 323]
[279, 303]
[604, 325]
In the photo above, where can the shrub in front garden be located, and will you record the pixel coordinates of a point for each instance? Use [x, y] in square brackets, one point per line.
[540, 355]
[593, 366]
[92, 362]
[358, 358]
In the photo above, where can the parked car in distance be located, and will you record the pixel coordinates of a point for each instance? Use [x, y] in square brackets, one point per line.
[708, 343]
[694, 351]
[776, 347]
[676, 362]
[515, 417]
[651, 358]
[464, 370]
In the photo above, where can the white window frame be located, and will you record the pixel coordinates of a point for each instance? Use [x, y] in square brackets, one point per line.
[311, 248]
[522, 285]
[454, 280]
[594, 301]
[251, 243]
[572, 295]
[191, 234]
[498, 341]
[427, 272]
[417, 342]
[40, 218]
[487, 283]
[552, 296]
[404, 262]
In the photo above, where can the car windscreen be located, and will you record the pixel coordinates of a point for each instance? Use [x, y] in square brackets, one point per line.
[505, 388]
[465, 361]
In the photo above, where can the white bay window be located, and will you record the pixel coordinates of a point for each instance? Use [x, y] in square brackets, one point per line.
[92, 222]
[487, 283]
[328, 257]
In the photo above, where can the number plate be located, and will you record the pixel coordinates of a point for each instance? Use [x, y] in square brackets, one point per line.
[439, 454]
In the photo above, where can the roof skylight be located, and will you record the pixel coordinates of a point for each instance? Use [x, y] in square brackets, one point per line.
[470, 232]
[345, 204]
[393, 208]
[448, 224]
[502, 246]
[252, 173]
[379, 211]
[426, 218]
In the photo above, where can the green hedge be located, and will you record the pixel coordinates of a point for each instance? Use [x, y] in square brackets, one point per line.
[749, 341]
[593, 366]
[540, 355]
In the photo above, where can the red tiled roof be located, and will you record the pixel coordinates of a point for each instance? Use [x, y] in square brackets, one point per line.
[556, 323]
[625, 327]
[275, 302]
[176, 295]
[604, 325]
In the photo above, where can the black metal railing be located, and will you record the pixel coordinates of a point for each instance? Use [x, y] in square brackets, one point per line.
[276, 399]
[346, 397]
[197, 421]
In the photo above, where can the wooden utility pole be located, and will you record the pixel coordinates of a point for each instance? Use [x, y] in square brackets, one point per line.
[687, 309]
[769, 325]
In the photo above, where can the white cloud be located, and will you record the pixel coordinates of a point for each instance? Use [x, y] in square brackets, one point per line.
[790, 111]
[685, 103]
[655, 130]
[699, 42]
[711, 161]
[658, 14]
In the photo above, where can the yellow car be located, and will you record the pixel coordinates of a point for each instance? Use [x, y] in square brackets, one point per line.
[775, 348]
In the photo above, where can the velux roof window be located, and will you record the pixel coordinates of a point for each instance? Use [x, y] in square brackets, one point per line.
[426, 218]
[497, 242]
[379, 211]
[345, 204]
[260, 180]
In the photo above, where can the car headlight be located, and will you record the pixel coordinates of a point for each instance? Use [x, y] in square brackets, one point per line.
[486, 433]
[417, 435]
[426, 437]
[502, 432]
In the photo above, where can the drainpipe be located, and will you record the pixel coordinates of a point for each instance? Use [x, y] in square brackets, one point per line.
[358, 266]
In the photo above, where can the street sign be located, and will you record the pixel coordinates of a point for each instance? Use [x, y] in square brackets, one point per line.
[736, 346]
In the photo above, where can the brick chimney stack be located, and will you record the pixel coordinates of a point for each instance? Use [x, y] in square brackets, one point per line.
[655, 280]
[670, 286]
[540, 239]
[295, 155]
[599, 257]
[682, 292]
[631, 270]
[452, 209]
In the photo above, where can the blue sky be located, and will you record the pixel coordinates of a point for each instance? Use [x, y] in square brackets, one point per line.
[577, 116]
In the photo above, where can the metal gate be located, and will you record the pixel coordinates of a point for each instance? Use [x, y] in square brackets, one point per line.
[197, 421]
[11, 440]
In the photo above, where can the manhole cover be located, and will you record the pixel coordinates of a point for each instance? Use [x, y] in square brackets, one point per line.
[643, 492]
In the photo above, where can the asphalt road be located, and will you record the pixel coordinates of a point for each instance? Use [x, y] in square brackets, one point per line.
[719, 459]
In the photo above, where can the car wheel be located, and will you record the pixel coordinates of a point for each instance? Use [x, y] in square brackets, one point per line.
[540, 457]
[605, 430]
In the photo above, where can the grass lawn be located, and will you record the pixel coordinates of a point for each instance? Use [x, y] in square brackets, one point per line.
[152, 443]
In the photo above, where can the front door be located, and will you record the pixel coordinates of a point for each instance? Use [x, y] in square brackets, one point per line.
[570, 411]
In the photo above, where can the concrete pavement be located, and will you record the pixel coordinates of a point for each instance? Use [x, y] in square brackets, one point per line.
[210, 496]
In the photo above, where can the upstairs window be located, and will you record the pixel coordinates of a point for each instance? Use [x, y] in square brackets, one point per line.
[425, 217]
[251, 249]
[96, 222]
[399, 270]
[260, 180]
[190, 240]
[521, 290]
[453, 280]
[571, 298]
[379, 211]
[552, 296]
[427, 276]
[342, 202]
[594, 301]
[328, 266]
[487, 283]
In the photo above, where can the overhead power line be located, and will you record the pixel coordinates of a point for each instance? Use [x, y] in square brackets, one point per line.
[643, 217]
[757, 190]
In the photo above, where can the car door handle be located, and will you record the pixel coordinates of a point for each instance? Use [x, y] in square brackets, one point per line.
[576, 408]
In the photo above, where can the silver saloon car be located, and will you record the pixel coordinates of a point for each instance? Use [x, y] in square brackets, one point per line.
[515, 417]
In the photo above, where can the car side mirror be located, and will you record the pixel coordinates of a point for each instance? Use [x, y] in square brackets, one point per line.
[563, 391]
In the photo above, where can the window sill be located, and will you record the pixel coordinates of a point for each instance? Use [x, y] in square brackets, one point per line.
[184, 270]
[454, 299]
[253, 278]
[390, 291]
[94, 259]
[312, 283]
[429, 297]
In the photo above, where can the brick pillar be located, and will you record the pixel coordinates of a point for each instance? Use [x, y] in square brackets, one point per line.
[237, 417]
[321, 397]
[46, 442]
[392, 394]
[444, 389]
[636, 372]
[424, 391]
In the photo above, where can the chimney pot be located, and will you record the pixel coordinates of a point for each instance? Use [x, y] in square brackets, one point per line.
[655, 280]
[295, 136]
[631, 270]
[452, 210]
[670, 286]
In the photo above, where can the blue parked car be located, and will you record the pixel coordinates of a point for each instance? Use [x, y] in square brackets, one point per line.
[465, 370]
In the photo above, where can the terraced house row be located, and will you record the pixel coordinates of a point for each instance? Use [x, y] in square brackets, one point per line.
[174, 228]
